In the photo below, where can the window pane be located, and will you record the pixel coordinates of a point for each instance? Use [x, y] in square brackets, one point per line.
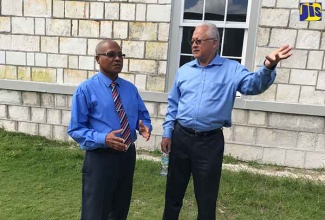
[193, 9]
[215, 10]
[185, 59]
[233, 42]
[187, 36]
[237, 10]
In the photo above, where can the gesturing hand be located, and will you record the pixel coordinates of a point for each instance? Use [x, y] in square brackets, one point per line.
[115, 142]
[144, 130]
[273, 58]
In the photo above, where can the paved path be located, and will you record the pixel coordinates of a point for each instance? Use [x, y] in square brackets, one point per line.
[287, 172]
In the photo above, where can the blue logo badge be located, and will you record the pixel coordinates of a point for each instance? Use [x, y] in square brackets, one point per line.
[310, 11]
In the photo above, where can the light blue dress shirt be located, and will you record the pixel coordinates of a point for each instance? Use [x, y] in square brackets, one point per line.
[93, 113]
[202, 98]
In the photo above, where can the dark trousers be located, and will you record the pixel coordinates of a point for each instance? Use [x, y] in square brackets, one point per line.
[107, 177]
[202, 157]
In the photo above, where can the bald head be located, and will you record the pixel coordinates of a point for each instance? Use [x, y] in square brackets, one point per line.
[102, 45]
[109, 57]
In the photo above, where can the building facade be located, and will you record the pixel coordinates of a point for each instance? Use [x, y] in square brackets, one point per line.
[47, 48]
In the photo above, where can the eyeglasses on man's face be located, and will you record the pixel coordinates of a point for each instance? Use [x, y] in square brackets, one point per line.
[199, 41]
[112, 54]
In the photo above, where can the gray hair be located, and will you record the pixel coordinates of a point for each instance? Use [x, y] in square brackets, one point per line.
[213, 31]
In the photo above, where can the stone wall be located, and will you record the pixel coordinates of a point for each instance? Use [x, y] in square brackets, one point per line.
[301, 79]
[277, 138]
[47, 48]
[48, 114]
[265, 137]
[54, 41]
[35, 113]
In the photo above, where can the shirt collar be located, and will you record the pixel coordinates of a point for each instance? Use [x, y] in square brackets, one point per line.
[217, 60]
[107, 80]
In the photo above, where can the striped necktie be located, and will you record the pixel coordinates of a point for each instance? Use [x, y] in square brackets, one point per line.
[126, 133]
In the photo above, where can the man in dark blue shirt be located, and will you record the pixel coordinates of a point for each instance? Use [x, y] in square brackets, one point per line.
[199, 105]
[105, 114]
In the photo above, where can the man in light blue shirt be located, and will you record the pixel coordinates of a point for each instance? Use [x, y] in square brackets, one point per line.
[199, 106]
[105, 114]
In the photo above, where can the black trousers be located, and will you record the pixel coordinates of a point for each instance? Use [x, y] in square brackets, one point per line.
[107, 177]
[202, 157]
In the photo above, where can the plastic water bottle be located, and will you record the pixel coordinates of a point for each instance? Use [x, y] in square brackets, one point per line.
[164, 164]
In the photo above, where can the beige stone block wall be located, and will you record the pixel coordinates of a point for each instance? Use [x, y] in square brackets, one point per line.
[277, 138]
[54, 41]
[300, 79]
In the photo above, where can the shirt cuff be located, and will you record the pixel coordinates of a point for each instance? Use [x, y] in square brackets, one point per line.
[272, 68]
[266, 71]
[167, 133]
[148, 125]
[101, 138]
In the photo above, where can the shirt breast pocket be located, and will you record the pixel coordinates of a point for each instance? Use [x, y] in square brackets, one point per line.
[215, 91]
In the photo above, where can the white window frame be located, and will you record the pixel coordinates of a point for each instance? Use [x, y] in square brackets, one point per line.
[177, 24]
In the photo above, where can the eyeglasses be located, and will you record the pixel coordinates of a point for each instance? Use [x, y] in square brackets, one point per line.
[199, 41]
[112, 54]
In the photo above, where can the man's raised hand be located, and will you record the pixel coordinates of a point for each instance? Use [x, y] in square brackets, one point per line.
[276, 56]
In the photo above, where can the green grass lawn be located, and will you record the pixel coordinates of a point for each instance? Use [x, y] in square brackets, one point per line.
[41, 179]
